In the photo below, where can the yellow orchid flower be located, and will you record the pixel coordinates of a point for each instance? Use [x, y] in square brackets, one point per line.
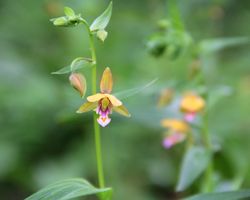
[177, 132]
[191, 104]
[103, 103]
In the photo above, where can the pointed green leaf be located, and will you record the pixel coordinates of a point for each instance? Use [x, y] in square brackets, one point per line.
[194, 163]
[69, 12]
[232, 195]
[102, 21]
[69, 189]
[213, 45]
[130, 92]
[78, 63]
[175, 16]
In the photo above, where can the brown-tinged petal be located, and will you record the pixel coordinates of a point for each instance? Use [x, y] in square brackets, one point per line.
[78, 81]
[106, 84]
[95, 97]
[122, 110]
[87, 107]
[114, 101]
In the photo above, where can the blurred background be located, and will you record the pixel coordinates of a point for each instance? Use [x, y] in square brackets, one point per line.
[43, 140]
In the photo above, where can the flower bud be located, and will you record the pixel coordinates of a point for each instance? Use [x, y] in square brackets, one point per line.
[102, 35]
[166, 97]
[60, 21]
[156, 45]
[78, 82]
[66, 21]
[173, 51]
[163, 24]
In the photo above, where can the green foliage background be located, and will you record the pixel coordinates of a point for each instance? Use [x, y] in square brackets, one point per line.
[43, 140]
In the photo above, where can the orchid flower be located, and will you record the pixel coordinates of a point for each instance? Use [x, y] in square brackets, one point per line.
[104, 103]
[191, 104]
[177, 132]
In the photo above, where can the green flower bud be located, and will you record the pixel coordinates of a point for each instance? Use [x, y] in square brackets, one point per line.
[60, 21]
[163, 24]
[173, 52]
[102, 35]
[156, 45]
[67, 21]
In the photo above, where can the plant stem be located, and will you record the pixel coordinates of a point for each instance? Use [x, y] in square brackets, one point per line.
[96, 126]
[208, 179]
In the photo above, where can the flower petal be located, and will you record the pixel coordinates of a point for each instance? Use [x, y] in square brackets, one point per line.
[189, 117]
[103, 121]
[106, 84]
[105, 103]
[192, 103]
[115, 102]
[87, 107]
[95, 97]
[175, 125]
[173, 139]
[122, 110]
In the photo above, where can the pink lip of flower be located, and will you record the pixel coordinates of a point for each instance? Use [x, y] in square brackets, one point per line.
[103, 103]
[103, 119]
[173, 139]
[177, 132]
[190, 117]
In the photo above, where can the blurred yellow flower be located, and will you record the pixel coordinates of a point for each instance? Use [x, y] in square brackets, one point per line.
[177, 132]
[191, 104]
[166, 97]
[103, 103]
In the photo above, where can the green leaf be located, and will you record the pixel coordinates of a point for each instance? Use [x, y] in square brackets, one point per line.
[130, 92]
[69, 189]
[102, 21]
[69, 12]
[232, 195]
[213, 45]
[175, 15]
[194, 163]
[78, 63]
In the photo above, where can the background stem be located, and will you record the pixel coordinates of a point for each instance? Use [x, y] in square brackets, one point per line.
[208, 178]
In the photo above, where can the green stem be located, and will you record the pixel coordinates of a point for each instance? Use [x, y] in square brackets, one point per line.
[96, 126]
[205, 132]
[208, 178]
